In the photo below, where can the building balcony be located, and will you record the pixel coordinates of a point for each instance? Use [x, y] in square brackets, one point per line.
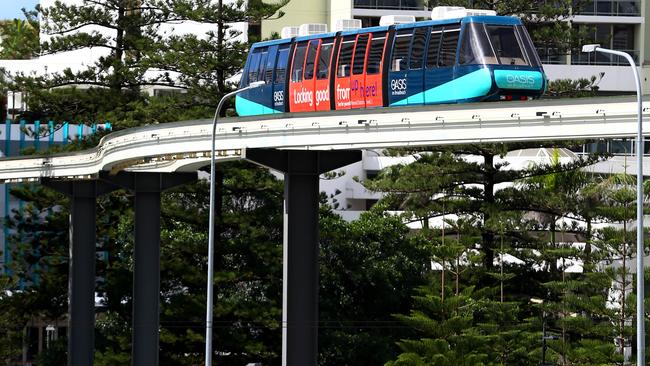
[552, 56]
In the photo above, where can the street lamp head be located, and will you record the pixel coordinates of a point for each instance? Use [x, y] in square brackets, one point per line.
[535, 300]
[590, 47]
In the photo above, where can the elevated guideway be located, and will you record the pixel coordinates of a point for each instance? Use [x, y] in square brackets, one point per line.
[151, 159]
[185, 146]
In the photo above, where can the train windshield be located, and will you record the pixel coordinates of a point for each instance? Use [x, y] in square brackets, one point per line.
[497, 45]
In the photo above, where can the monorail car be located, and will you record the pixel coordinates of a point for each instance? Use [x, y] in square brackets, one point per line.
[469, 59]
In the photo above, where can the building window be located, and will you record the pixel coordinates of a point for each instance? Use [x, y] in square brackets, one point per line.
[611, 7]
[390, 4]
[619, 37]
[367, 22]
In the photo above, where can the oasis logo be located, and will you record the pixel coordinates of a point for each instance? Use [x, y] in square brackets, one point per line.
[398, 86]
[278, 96]
[514, 79]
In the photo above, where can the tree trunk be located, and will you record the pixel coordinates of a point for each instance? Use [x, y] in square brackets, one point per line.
[221, 35]
[486, 235]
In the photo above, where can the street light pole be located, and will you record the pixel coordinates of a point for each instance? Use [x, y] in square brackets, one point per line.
[640, 296]
[209, 301]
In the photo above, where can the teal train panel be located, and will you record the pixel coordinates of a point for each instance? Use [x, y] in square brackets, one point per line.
[518, 79]
[475, 84]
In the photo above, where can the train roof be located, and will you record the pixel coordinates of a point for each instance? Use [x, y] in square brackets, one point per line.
[490, 19]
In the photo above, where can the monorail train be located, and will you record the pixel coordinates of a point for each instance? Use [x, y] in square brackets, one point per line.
[468, 59]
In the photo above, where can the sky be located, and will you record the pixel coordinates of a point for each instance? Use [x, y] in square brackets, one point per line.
[10, 9]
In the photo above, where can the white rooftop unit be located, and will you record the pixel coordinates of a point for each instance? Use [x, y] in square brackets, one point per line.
[289, 32]
[347, 24]
[396, 19]
[312, 28]
[452, 12]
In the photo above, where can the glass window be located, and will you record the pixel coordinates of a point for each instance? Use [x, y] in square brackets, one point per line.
[529, 47]
[623, 37]
[448, 46]
[417, 48]
[360, 54]
[311, 60]
[254, 65]
[281, 66]
[324, 58]
[298, 62]
[506, 45]
[345, 57]
[375, 54]
[400, 58]
[434, 46]
[270, 66]
[475, 48]
[262, 69]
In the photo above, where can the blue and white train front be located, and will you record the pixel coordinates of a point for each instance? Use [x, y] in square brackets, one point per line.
[505, 54]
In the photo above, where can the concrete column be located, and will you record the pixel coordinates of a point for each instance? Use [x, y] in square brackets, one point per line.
[301, 190]
[146, 277]
[81, 308]
[81, 276]
[146, 257]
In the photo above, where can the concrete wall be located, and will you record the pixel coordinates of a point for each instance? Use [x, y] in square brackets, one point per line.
[617, 78]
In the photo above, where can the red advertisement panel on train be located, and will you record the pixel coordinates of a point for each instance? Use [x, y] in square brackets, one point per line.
[358, 76]
[299, 96]
[322, 83]
[343, 71]
[373, 85]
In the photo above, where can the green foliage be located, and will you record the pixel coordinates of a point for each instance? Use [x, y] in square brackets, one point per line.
[368, 270]
[55, 354]
[19, 39]
[464, 329]
[571, 88]
[196, 67]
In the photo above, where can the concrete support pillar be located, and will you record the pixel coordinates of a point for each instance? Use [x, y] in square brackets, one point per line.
[81, 276]
[146, 277]
[301, 190]
[146, 272]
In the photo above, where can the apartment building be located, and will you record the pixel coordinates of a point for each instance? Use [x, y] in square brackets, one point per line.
[616, 24]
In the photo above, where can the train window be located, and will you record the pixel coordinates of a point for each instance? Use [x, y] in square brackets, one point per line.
[281, 65]
[270, 66]
[400, 59]
[311, 60]
[448, 46]
[345, 57]
[506, 45]
[475, 47]
[263, 59]
[360, 54]
[254, 65]
[324, 58]
[533, 57]
[417, 48]
[434, 46]
[298, 62]
[374, 55]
